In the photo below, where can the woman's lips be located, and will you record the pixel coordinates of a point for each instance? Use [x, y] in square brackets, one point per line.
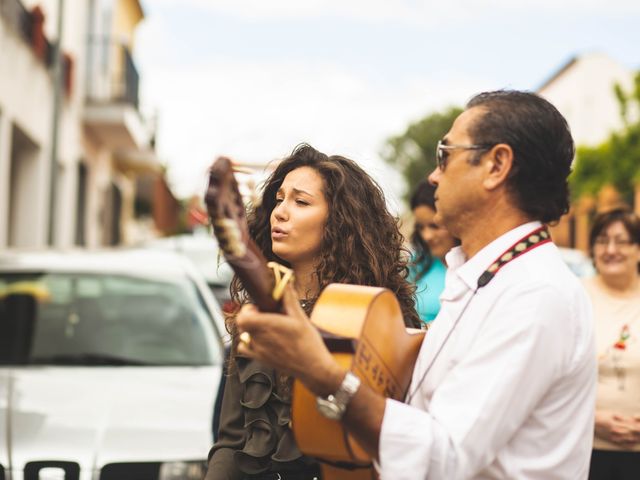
[278, 234]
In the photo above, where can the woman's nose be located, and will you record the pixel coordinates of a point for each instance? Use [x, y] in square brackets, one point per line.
[427, 234]
[280, 211]
[611, 247]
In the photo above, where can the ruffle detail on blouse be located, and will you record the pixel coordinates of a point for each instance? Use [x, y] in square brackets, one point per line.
[267, 417]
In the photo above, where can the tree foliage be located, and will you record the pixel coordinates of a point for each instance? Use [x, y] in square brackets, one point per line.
[413, 152]
[617, 160]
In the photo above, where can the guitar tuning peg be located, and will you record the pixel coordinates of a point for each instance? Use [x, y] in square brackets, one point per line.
[240, 169]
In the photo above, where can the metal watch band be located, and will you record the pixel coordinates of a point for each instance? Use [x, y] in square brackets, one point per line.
[334, 406]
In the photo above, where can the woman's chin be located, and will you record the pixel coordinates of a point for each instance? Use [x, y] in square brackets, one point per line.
[613, 270]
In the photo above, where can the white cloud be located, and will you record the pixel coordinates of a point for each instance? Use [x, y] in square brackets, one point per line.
[255, 112]
[422, 12]
[378, 10]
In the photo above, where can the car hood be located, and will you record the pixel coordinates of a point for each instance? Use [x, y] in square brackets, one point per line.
[96, 416]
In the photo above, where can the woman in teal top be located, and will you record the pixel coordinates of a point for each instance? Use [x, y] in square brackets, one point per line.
[430, 244]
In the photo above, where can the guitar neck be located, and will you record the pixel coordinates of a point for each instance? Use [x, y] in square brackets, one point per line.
[257, 279]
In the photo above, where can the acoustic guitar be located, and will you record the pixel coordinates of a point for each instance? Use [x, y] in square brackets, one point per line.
[362, 327]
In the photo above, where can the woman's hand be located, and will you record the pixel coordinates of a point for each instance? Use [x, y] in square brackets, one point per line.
[623, 430]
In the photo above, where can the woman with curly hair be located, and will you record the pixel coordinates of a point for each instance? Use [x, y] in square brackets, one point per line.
[326, 219]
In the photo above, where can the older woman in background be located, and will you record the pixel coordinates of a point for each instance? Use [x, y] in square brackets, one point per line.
[615, 293]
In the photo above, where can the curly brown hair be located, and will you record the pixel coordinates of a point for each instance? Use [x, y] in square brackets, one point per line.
[361, 245]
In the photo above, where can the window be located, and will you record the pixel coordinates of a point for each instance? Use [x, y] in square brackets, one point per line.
[92, 319]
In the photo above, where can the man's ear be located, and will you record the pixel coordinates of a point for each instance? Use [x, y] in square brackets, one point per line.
[498, 165]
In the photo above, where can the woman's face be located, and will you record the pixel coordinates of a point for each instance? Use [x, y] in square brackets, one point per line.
[299, 217]
[436, 236]
[613, 252]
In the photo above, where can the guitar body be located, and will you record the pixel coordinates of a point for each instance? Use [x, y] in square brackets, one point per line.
[383, 356]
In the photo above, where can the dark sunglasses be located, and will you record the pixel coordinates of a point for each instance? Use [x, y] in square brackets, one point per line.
[442, 152]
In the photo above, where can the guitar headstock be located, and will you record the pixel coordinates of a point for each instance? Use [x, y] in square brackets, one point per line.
[226, 209]
[228, 218]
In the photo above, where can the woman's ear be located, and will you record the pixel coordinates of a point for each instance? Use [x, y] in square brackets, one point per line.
[498, 166]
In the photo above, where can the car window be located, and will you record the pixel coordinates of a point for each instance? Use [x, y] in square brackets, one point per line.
[92, 319]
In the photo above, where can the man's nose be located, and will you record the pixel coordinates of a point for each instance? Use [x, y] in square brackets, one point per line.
[434, 177]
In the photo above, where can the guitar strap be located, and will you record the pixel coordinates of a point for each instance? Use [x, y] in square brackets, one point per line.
[534, 239]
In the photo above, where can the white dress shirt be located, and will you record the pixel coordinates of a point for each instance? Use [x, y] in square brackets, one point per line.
[511, 393]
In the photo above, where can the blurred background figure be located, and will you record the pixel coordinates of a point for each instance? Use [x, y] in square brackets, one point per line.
[615, 293]
[430, 243]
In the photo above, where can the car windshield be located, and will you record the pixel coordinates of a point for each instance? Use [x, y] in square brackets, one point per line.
[93, 319]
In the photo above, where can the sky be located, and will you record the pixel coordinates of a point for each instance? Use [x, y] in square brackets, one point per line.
[251, 79]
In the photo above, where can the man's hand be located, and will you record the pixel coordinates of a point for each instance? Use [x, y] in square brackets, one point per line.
[291, 344]
[620, 429]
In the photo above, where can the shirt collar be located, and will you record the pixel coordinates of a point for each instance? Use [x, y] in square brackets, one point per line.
[470, 270]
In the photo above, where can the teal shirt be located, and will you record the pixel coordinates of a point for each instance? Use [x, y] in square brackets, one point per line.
[428, 290]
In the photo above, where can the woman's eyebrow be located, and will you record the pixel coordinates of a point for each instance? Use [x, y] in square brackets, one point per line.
[298, 190]
[295, 191]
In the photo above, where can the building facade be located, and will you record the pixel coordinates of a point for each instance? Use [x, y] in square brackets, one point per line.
[74, 146]
[583, 91]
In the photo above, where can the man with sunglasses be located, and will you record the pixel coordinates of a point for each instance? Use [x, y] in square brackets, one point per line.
[504, 383]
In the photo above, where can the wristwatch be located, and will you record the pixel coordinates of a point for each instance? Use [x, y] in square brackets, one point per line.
[334, 406]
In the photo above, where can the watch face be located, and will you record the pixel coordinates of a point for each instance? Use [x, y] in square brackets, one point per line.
[329, 409]
[334, 406]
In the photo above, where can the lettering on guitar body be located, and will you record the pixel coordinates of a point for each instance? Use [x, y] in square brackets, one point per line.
[371, 368]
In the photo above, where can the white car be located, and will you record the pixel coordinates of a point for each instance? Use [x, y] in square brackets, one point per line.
[203, 250]
[109, 366]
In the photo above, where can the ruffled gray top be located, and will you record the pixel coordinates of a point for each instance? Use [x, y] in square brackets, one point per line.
[254, 435]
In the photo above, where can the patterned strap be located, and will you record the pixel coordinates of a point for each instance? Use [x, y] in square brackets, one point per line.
[538, 237]
[533, 239]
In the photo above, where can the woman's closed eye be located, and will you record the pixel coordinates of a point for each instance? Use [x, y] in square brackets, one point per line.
[299, 201]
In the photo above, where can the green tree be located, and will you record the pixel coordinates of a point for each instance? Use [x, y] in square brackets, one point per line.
[413, 152]
[617, 160]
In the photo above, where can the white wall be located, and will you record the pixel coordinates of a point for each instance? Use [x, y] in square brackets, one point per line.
[25, 221]
[71, 107]
[25, 102]
[32, 109]
[584, 95]
[5, 146]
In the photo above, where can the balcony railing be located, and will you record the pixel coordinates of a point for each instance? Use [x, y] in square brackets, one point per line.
[112, 76]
